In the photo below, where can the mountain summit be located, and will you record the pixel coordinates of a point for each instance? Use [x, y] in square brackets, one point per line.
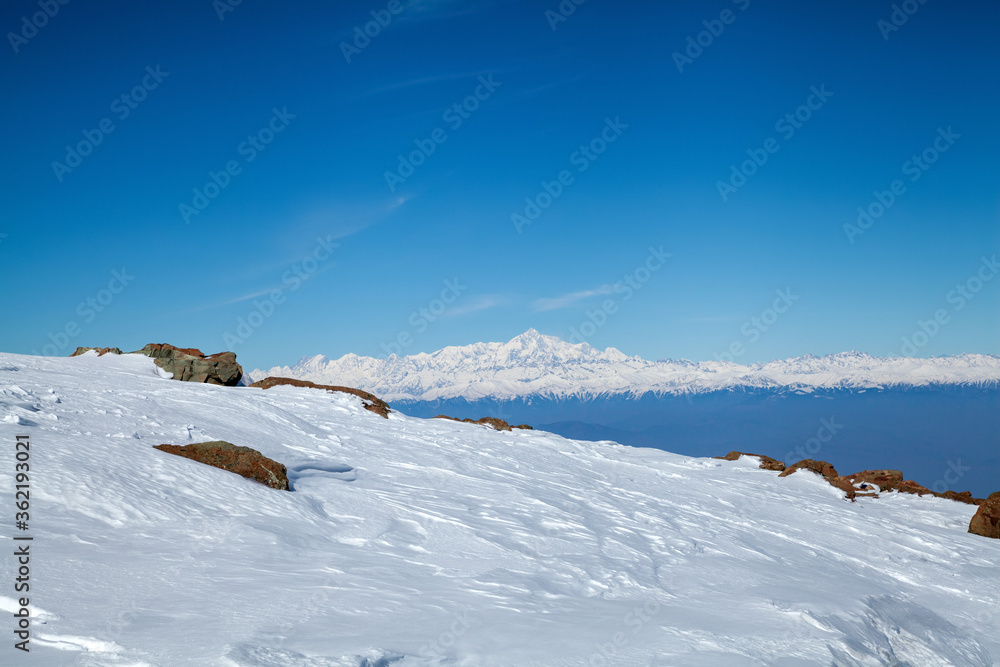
[534, 364]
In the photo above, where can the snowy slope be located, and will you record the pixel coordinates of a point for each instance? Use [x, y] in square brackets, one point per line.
[533, 364]
[410, 542]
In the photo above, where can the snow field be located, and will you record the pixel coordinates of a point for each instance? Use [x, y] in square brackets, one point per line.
[428, 542]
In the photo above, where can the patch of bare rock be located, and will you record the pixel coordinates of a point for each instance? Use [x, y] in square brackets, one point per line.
[766, 462]
[243, 461]
[871, 483]
[371, 402]
[498, 424]
[186, 364]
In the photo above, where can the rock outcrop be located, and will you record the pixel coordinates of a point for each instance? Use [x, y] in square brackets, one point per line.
[819, 467]
[101, 351]
[986, 521]
[865, 483]
[371, 402]
[892, 480]
[883, 479]
[766, 462]
[243, 461]
[191, 365]
[186, 364]
[498, 424]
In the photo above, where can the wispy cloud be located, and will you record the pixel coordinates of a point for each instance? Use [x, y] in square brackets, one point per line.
[284, 286]
[480, 303]
[570, 300]
[333, 221]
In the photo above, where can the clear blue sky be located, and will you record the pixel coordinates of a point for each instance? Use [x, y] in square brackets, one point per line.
[267, 91]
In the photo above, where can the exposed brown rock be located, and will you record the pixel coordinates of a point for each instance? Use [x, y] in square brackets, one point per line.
[766, 462]
[961, 496]
[191, 365]
[866, 483]
[820, 467]
[166, 351]
[909, 486]
[986, 521]
[372, 403]
[884, 479]
[241, 460]
[101, 351]
[187, 364]
[892, 480]
[498, 424]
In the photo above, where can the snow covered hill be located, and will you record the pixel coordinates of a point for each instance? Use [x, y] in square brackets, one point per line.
[533, 364]
[412, 542]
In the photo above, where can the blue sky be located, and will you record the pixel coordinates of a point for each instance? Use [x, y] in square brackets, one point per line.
[317, 240]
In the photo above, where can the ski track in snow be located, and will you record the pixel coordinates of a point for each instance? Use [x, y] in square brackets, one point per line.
[411, 542]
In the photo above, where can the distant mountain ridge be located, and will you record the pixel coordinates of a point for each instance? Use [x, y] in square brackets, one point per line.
[536, 365]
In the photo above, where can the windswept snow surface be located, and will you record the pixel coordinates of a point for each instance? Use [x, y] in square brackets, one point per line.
[427, 542]
[533, 364]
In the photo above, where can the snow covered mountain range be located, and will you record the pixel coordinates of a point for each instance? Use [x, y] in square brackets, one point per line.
[534, 364]
[408, 542]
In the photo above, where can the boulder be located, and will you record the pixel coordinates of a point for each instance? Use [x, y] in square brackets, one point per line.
[766, 462]
[191, 365]
[986, 521]
[187, 364]
[819, 467]
[241, 460]
[371, 402]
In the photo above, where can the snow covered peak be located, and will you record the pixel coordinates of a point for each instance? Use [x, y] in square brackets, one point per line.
[534, 364]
